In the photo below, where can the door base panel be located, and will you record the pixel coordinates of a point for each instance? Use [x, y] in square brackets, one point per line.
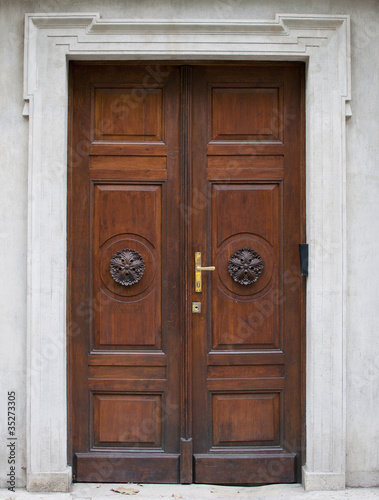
[261, 468]
[115, 468]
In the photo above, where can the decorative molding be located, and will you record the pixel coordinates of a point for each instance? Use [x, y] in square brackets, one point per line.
[245, 266]
[82, 36]
[323, 42]
[127, 267]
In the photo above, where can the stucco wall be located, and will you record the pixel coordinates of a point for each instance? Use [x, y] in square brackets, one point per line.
[362, 203]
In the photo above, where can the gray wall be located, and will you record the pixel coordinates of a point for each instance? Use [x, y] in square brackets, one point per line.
[362, 202]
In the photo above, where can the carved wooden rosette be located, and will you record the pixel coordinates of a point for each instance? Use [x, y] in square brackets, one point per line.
[245, 266]
[127, 267]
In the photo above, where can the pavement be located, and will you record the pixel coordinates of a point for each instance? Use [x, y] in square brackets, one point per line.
[87, 491]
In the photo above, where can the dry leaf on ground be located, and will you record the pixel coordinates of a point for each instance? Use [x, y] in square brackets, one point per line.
[125, 491]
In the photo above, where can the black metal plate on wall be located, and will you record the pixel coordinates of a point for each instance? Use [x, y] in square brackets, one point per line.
[304, 254]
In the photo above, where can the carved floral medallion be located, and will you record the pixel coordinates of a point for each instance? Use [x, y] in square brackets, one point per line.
[127, 267]
[245, 266]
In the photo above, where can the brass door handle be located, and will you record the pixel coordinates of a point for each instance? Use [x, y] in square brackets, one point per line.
[198, 270]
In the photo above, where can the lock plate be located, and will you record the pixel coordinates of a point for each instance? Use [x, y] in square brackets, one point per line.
[197, 273]
[198, 269]
[196, 307]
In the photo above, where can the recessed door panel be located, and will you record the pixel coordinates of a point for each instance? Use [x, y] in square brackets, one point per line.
[127, 420]
[252, 112]
[127, 266]
[246, 248]
[245, 419]
[128, 113]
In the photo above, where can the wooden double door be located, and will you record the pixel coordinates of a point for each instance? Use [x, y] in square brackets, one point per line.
[178, 374]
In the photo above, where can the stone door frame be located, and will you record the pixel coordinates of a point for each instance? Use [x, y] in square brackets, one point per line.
[323, 42]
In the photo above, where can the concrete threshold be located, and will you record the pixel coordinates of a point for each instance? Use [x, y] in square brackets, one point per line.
[87, 491]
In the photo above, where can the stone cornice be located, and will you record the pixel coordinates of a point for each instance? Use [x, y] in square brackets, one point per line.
[83, 35]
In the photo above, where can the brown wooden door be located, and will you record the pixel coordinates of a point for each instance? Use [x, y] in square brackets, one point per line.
[166, 161]
[247, 343]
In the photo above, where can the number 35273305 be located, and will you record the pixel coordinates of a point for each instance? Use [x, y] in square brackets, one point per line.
[11, 413]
